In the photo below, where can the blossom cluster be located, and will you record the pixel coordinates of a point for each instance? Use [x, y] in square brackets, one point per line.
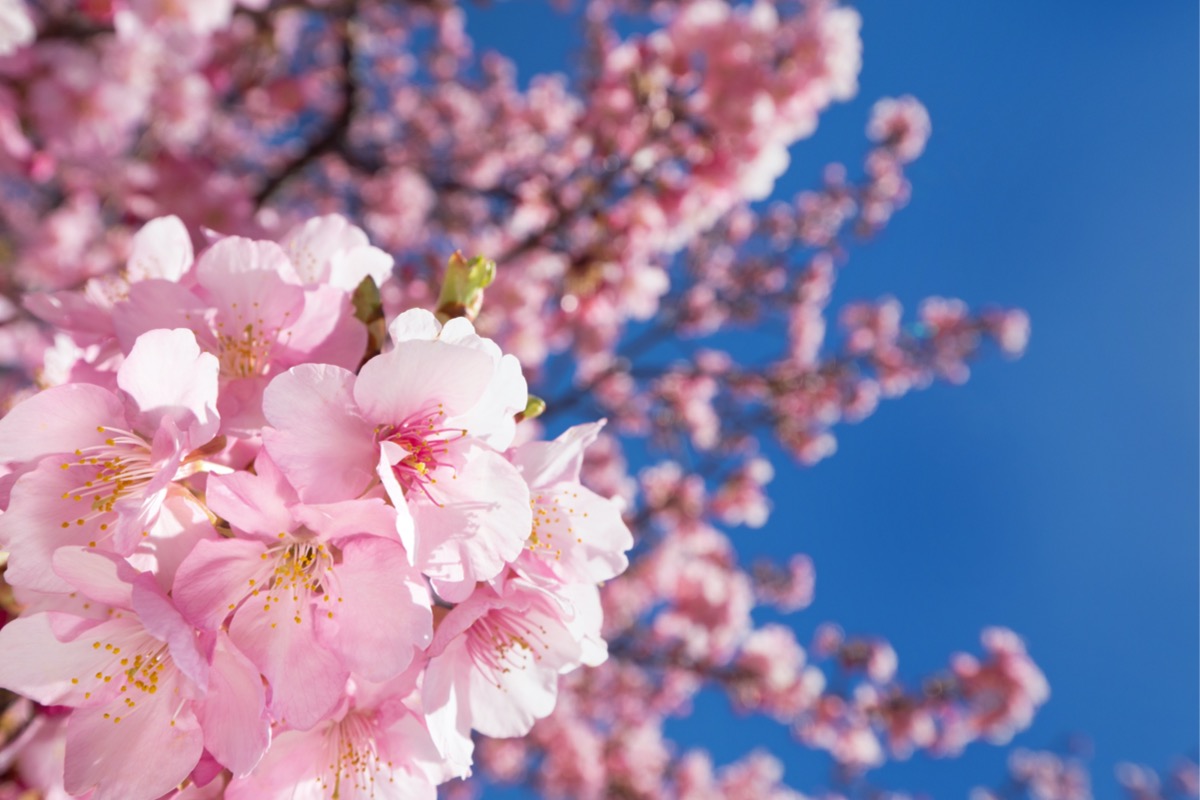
[1066, 775]
[688, 619]
[255, 553]
[624, 202]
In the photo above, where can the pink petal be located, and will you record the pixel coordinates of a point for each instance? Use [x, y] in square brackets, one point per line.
[215, 577]
[236, 728]
[481, 524]
[414, 324]
[385, 612]
[493, 419]
[39, 666]
[456, 622]
[444, 699]
[529, 688]
[312, 244]
[558, 461]
[58, 420]
[71, 311]
[254, 503]
[330, 250]
[39, 520]
[585, 622]
[408, 742]
[114, 757]
[579, 534]
[94, 574]
[335, 521]
[421, 378]
[291, 769]
[162, 249]
[318, 439]
[248, 279]
[240, 405]
[181, 525]
[164, 622]
[167, 376]
[326, 332]
[307, 681]
[351, 266]
[526, 696]
[154, 304]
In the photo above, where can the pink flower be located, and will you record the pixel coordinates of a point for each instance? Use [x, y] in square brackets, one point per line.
[494, 665]
[426, 420]
[142, 669]
[101, 465]
[1002, 692]
[578, 536]
[314, 593]
[374, 748]
[16, 28]
[246, 305]
[200, 19]
[329, 250]
[900, 124]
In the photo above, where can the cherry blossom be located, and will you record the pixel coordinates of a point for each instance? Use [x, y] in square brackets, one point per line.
[269, 430]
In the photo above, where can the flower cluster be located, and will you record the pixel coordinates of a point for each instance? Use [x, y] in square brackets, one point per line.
[257, 550]
[1066, 775]
[273, 421]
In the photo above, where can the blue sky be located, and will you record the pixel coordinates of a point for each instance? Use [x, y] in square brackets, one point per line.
[1056, 495]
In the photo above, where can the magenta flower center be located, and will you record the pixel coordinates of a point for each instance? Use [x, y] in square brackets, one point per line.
[427, 444]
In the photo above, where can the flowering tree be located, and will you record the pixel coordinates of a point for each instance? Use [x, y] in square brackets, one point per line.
[280, 514]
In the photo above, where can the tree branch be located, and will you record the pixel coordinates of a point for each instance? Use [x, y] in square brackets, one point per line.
[333, 138]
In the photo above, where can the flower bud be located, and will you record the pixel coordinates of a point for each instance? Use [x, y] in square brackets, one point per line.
[463, 285]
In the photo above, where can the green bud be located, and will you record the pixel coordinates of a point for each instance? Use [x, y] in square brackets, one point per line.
[368, 306]
[463, 285]
[533, 408]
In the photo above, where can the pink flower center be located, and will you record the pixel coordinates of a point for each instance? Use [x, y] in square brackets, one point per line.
[108, 472]
[427, 444]
[137, 665]
[354, 757]
[245, 348]
[551, 514]
[301, 573]
[503, 640]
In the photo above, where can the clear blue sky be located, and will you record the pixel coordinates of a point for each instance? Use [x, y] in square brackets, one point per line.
[1056, 495]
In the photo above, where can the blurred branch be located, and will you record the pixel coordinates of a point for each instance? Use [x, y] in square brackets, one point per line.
[334, 136]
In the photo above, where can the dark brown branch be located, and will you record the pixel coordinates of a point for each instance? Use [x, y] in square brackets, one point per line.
[334, 137]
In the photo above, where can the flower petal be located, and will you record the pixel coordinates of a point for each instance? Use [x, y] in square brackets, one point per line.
[307, 681]
[167, 376]
[318, 439]
[558, 461]
[113, 757]
[60, 419]
[162, 249]
[421, 378]
[236, 728]
[215, 577]
[386, 610]
[94, 574]
[480, 524]
[41, 667]
[253, 502]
